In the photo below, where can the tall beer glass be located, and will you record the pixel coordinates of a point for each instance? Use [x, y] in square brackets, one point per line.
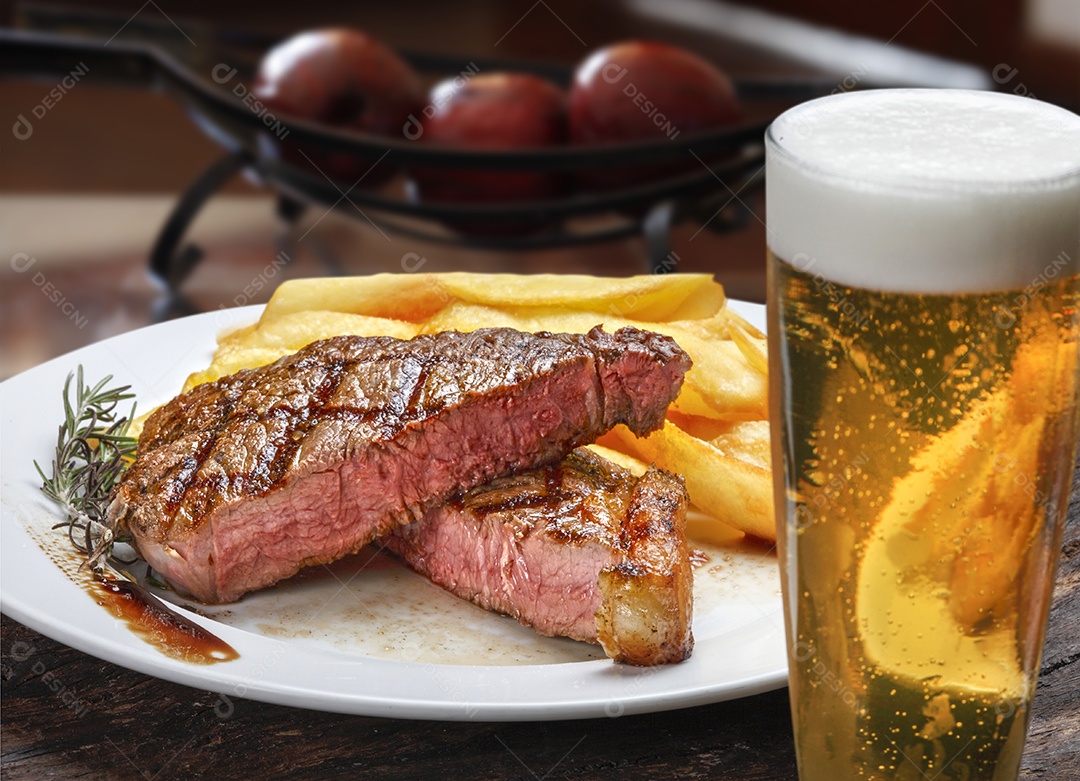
[924, 328]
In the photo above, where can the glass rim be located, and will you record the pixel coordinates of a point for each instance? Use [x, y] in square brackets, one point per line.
[942, 186]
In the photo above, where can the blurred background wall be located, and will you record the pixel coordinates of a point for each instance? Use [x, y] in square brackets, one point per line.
[1032, 46]
[87, 194]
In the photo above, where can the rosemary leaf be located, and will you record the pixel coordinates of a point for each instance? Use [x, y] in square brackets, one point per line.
[92, 451]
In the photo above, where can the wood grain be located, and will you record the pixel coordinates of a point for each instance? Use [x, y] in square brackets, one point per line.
[1053, 747]
[139, 727]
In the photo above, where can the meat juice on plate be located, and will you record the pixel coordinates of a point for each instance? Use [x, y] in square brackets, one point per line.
[930, 508]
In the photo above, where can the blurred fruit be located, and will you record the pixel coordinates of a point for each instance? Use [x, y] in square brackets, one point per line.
[492, 111]
[344, 79]
[645, 91]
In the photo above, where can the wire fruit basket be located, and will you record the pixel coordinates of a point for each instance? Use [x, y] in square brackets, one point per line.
[649, 209]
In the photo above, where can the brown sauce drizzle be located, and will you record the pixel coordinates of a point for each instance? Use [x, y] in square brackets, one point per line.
[147, 617]
[153, 621]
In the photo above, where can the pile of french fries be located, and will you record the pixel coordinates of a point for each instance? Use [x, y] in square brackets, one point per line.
[716, 434]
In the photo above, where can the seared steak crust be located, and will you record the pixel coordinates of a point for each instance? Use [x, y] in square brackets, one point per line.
[241, 482]
[581, 548]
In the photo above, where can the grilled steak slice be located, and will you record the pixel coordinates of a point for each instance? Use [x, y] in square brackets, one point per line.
[581, 548]
[243, 481]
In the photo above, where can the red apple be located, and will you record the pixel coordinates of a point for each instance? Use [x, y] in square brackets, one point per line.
[646, 91]
[492, 111]
[344, 79]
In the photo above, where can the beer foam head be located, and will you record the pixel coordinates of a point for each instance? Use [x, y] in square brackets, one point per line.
[917, 190]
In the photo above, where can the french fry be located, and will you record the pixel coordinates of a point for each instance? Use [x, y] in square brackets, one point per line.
[265, 342]
[746, 440]
[751, 330]
[416, 297]
[705, 528]
[698, 526]
[730, 387]
[648, 297]
[729, 489]
[753, 349]
[721, 384]
[409, 297]
[627, 462]
[461, 316]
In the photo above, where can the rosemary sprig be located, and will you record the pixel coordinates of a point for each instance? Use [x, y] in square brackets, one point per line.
[92, 452]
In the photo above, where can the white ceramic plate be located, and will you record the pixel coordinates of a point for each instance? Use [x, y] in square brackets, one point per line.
[366, 635]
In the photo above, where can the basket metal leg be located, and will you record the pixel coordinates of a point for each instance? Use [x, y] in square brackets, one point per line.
[657, 229]
[289, 209]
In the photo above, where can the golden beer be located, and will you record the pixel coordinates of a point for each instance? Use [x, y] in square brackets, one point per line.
[924, 437]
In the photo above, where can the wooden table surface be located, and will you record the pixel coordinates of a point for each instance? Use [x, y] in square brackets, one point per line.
[138, 727]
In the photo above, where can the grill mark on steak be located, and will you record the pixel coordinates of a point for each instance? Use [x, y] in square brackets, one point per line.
[241, 482]
[294, 423]
[581, 548]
